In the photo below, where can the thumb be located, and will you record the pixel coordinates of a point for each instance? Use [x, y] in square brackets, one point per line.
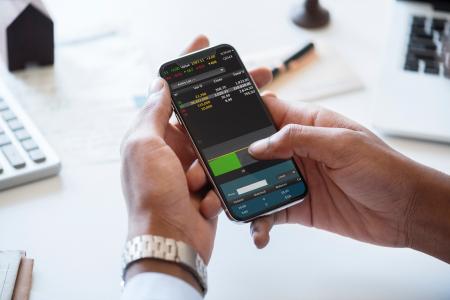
[327, 145]
[155, 115]
[278, 109]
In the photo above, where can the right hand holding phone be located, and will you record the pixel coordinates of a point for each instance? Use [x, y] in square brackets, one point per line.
[357, 185]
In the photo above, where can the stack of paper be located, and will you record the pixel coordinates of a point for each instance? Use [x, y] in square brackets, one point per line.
[15, 275]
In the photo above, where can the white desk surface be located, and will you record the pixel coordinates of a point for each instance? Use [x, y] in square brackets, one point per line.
[74, 225]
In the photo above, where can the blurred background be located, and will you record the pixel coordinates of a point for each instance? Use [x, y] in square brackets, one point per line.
[106, 54]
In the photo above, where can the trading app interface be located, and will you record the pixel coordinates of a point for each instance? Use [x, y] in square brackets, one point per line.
[219, 104]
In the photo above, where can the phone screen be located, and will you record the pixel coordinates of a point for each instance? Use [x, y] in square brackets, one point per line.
[223, 112]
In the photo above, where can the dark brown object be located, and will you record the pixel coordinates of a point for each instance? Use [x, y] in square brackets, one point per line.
[26, 32]
[311, 15]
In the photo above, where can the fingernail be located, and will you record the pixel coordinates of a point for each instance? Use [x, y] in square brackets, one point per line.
[156, 85]
[257, 146]
[252, 229]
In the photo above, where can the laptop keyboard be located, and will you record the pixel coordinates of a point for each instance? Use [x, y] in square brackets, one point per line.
[428, 47]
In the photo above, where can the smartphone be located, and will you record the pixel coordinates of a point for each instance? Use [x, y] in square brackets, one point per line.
[218, 103]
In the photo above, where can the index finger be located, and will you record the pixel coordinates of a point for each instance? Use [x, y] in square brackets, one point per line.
[198, 43]
[262, 76]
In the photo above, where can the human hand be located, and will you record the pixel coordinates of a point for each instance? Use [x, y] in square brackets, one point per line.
[164, 185]
[358, 186]
[164, 194]
[157, 173]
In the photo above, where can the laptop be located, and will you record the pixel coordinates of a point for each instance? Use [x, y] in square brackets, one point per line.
[413, 98]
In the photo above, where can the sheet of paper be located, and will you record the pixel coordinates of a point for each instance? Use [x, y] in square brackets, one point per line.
[325, 75]
[83, 104]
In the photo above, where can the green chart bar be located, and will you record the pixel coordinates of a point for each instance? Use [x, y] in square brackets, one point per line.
[224, 164]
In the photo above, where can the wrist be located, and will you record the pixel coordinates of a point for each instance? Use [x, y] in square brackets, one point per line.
[165, 267]
[429, 221]
[153, 253]
[141, 224]
[156, 224]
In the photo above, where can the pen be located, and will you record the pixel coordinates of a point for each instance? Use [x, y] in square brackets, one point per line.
[296, 56]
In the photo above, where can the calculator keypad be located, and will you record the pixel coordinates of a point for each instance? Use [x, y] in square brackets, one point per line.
[9, 149]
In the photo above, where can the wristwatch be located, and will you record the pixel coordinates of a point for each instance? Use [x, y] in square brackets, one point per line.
[158, 247]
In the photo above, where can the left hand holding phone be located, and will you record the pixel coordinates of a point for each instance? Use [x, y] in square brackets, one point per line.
[164, 186]
[156, 172]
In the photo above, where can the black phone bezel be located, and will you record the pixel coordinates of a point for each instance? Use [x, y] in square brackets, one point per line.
[202, 53]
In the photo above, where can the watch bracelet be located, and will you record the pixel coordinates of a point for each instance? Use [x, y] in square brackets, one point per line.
[164, 249]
